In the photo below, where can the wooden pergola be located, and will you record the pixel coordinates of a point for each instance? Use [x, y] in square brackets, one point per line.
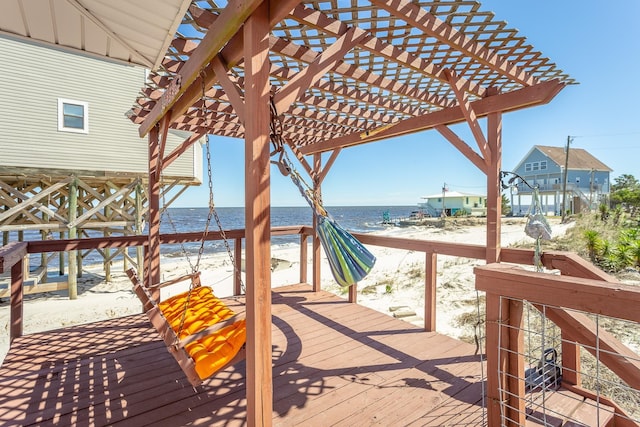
[337, 74]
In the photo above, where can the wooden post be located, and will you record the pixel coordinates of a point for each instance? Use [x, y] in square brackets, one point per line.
[570, 361]
[237, 266]
[317, 252]
[258, 229]
[107, 233]
[353, 293]
[17, 297]
[5, 234]
[494, 195]
[72, 278]
[79, 256]
[430, 280]
[495, 305]
[515, 378]
[61, 261]
[153, 249]
[128, 230]
[43, 256]
[496, 360]
[139, 249]
[303, 257]
[12, 257]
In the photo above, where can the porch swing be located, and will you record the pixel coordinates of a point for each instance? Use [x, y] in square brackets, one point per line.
[199, 330]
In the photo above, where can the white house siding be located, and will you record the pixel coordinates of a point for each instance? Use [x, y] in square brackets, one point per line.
[35, 77]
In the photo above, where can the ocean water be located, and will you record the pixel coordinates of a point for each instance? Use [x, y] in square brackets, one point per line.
[361, 219]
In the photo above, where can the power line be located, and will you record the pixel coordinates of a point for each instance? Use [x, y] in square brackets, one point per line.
[605, 135]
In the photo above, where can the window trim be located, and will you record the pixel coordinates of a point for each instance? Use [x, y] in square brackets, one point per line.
[85, 118]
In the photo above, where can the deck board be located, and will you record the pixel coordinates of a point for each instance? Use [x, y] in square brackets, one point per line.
[335, 363]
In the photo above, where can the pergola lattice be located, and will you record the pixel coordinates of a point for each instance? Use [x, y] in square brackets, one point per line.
[342, 69]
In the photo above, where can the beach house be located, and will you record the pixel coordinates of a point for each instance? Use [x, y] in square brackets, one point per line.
[573, 178]
[454, 203]
[314, 78]
[71, 162]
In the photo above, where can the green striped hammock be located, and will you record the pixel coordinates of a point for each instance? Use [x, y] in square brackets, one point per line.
[349, 260]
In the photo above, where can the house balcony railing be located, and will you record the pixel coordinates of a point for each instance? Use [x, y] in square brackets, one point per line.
[571, 188]
[570, 301]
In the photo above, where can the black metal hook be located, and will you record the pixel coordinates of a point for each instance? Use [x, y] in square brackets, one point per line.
[511, 181]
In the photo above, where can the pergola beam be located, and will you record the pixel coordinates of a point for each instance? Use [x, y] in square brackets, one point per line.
[218, 35]
[181, 149]
[186, 87]
[230, 86]
[539, 94]
[463, 147]
[469, 115]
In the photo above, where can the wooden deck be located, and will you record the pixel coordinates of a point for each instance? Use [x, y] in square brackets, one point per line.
[335, 363]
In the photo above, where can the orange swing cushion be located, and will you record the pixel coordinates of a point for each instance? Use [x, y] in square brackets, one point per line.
[214, 351]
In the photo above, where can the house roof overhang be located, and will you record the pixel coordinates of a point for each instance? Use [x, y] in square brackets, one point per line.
[347, 73]
[136, 32]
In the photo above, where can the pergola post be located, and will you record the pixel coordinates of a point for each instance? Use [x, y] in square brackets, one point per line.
[317, 252]
[152, 262]
[497, 310]
[494, 195]
[257, 210]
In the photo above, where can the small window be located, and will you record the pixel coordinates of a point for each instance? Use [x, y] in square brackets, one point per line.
[543, 165]
[73, 116]
[527, 167]
[536, 166]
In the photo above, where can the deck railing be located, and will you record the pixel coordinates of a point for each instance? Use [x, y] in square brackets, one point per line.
[581, 286]
[566, 300]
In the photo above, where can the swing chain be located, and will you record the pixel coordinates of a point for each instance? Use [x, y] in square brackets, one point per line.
[211, 214]
[214, 213]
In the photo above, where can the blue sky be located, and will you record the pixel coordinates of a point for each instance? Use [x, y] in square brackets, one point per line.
[596, 43]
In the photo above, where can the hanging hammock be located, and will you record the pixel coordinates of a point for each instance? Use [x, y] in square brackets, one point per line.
[350, 260]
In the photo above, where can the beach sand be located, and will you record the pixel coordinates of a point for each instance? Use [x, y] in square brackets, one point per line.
[397, 280]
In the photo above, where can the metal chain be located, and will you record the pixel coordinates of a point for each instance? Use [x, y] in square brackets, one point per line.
[194, 268]
[284, 162]
[212, 211]
[211, 205]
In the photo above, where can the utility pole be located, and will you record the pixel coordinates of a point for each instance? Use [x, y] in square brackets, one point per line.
[566, 175]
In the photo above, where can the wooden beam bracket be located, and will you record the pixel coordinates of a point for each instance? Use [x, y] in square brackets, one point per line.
[230, 86]
[469, 114]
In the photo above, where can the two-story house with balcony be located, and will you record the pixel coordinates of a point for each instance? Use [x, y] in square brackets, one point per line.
[587, 179]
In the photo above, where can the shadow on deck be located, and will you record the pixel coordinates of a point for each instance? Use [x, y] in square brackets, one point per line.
[335, 363]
